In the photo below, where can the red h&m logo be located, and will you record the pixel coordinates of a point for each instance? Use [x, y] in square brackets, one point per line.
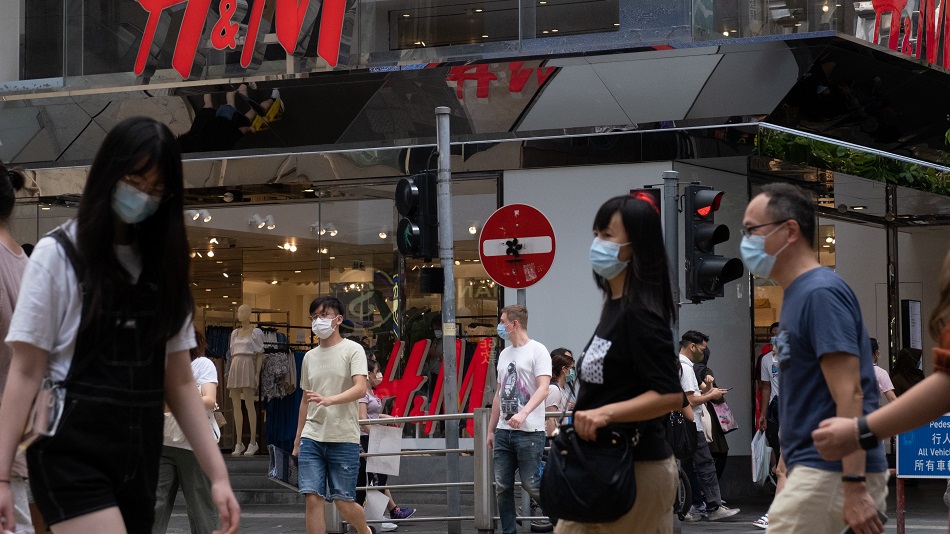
[288, 19]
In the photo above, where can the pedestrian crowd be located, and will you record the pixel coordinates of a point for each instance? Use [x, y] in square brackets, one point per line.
[99, 330]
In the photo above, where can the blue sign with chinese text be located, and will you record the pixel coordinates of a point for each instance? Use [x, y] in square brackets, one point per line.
[925, 452]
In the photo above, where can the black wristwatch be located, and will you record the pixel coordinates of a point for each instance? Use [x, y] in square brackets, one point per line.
[866, 438]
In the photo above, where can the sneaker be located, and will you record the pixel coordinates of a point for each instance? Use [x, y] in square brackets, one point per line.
[722, 512]
[541, 525]
[251, 449]
[762, 522]
[238, 449]
[692, 518]
[401, 513]
[388, 527]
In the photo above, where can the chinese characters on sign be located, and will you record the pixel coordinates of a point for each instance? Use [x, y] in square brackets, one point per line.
[925, 451]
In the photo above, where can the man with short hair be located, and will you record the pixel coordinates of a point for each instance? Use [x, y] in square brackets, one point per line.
[885, 388]
[824, 357]
[516, 428]
[768, 418]
[333, 377]
[702, 466]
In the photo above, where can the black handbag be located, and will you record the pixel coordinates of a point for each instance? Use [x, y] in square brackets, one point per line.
[589, 481]
[681, 435]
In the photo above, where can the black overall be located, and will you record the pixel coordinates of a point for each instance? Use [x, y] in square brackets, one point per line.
[106, 451]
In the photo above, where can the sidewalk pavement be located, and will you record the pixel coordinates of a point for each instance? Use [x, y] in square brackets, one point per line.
[925, 514]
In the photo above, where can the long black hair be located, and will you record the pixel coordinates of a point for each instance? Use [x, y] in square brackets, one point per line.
[647, 282]
[135, 146]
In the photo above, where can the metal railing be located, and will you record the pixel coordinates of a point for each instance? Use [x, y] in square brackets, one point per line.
[483, 484]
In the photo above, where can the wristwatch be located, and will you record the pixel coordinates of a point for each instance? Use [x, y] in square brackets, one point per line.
[866, 438]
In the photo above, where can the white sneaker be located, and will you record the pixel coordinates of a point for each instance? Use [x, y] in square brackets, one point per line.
[389, 527]
[238, 449]
[722, 512]
[251, 449]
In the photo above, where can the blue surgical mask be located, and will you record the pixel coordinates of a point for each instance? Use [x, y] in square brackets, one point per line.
[132, 205]
[571, 376]
[756, 259]
[502, 333]
[604, 258]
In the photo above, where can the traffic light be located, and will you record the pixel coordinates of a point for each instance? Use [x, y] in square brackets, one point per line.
[651, 195]
[705, 271]
[416, 201]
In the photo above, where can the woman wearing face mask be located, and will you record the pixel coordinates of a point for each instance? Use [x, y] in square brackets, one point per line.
[569, 387]
[371, 407]
[105, 311]
[628, 374]
[562, 369]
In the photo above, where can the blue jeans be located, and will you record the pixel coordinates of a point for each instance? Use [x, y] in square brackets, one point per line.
[335, 464]
[522, 451]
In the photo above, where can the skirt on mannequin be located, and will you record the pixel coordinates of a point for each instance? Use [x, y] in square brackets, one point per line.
[243, 373]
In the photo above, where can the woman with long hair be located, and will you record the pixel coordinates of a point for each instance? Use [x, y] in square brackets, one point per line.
[105, 312]
[628, 373]
[837, 437]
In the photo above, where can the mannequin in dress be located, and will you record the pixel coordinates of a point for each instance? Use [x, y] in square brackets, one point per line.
[247, 350]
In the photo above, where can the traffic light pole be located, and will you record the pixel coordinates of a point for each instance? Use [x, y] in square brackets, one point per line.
[671, 237]
[449, 334]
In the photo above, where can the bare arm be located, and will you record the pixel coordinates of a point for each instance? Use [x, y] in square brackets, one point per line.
[542, 382]
[355, 393]
[209, 395]
[921, 404]
[643, 407]
[550, 423]
[363, 416]
[493, 420]
[890, 396]
[697, 400]
[301, 421]
[182, 398]
[765, 390]
[842, 372]
[27, 369]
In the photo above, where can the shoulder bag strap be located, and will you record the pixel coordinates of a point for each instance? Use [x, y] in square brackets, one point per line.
[75, 261]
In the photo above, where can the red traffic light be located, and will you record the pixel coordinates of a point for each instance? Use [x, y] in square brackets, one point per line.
[706, 201]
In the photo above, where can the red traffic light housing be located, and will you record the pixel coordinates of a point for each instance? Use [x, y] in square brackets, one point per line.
[706, 272]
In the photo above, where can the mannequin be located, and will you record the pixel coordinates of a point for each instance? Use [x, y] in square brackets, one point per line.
[247, 350]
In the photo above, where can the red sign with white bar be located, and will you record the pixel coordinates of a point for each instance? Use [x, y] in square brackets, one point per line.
[517, 246]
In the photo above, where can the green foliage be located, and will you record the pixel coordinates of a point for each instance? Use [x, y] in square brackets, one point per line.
[804, 151]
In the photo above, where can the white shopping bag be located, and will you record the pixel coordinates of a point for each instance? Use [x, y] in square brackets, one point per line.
[761, 455]
[384, 439]
[376, 502]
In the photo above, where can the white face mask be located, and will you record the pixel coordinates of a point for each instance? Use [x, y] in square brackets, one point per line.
[323, 327]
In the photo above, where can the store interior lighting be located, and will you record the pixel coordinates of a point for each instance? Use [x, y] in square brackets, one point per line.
[270, 222]
[195, 215]
[257, 221]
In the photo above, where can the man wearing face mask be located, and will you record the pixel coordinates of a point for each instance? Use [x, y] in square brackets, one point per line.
[824, 355]
[333, 377]
[516, 428]
[702, 468]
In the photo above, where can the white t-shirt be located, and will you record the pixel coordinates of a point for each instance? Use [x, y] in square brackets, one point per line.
[556, 398]
[243, 344]
[518, 369]
[204, 372]
[49, 307]
[689, 383]
[769, 373]
[330, 371]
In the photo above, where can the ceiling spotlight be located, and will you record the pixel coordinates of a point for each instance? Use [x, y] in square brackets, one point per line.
[293, 248]
[207, 289]
[382, 235]
[478, 10]
[472, 230]
[857, 208]
[298, 272]
[286, 246]
[199, 254]
[46, 208]
[828, 239]
[213, 241]
[257, 221]
[195, 215]
[270, 222]
[205, 216]
[458, 262]
[226, 275]
[211, 253]
[192, 254]
[273, 282]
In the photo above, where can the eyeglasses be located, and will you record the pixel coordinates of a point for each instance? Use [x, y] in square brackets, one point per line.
[746, 231]
[324, 315]
[141, 184]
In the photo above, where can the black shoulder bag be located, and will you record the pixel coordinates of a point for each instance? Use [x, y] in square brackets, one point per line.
[590, 481]
[681, 435]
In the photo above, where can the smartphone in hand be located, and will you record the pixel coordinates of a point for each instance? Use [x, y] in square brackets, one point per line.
[880, 515]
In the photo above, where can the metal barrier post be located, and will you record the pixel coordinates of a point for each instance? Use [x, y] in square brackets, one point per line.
[901, 507]
[484, 475]
[334, 520]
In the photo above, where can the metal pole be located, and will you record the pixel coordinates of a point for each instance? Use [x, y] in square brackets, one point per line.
[671, 238]
[523, 297]
[901, 506]
[484, 475]
[447, 259]
[893, 278]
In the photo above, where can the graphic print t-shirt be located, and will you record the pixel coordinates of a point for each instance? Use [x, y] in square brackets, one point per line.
[518, 369]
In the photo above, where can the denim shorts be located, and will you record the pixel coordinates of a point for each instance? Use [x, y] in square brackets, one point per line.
[328, 464]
